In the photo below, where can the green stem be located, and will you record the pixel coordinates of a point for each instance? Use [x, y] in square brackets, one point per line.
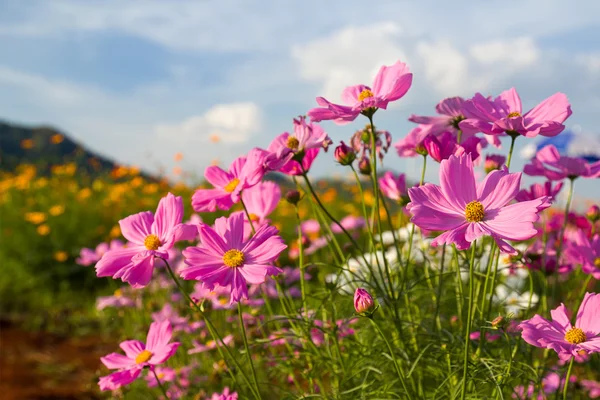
[213, 332]
[248, 355]
[439, 290]
[301, 262]
[469, 322]
[248, 216]
[162, 388]
[566, 387]
[513, 138]
[396, 365]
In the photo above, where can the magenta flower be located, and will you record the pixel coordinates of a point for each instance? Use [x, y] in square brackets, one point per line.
[504, 114]
[580, 250]
[289, 162]
[225, 395]
[261, 200]
[593, 388]
[244, 172]
[390, 84]
[138, 355]
[538, 190]
[394, 188]
[117, 300]
[210, 345]
[412, 144]
[450, 110]
[350, 223]
[363, 301]
[442, 147]
[493, 162]
[149, 235]
[90, 256]
[549, 163]
[466, 211]
[165, 374]
[559, 335]
[225, 259]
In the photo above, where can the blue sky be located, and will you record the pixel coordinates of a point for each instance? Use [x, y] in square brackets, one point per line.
[142, 80]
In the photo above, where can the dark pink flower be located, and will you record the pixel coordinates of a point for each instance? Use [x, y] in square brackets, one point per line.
[580, 250]
[138, 355]
[549, 163]
[466, 211]
[390, 84]
[244, 172]
[149, 235]
[225, 259]
[450, 110]
[559, 335]
[344, 154]
[442, 147]
[90, 256]
[394, 188]
[412, 144]
[538, 190]
[504, 114]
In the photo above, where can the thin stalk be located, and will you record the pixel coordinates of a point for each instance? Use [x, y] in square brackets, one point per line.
[160, 385]
[439, 290]
[248, 355]
[469, 322]
[301, 262]
[566, 387]
[398, 370]
[513, 138]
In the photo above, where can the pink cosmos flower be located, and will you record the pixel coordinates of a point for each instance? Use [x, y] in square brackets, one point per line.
[306, 136]
[350, 223]
[559, 335]
[580, 250]
[210, 345]
[310, 226]
[466, 211]
[225, 395]
[149, 235]
[549, 163]
[299, 163]
[394, 188]
[593, 387]
[451, 114]
[538, 190]
[165, 374]
[117, 300]
[179, 323]
[504, 114]
[90, 256]
[138, 355]
[550, 384]
[261, 200]
[412, 144]
[390, 84]
[244, 172]
[495, 161]
[442, 147]
[225, 259]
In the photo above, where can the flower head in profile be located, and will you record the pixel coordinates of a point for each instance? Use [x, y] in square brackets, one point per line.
[538, 190]
[549, 163]
[412, 144]
[466, 211]
[226, 259]
[394, 187]
[244, 172]
[493, 162]
[559, 335]
[581, 250]
[390, 84]
[504, 114]
[138, 355]
[149, 235]
[450, 110]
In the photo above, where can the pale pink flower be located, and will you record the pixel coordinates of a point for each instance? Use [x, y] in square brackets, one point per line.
[450, 110]
[538, 190]
[90, 256]
[549, 163]
[394, 188]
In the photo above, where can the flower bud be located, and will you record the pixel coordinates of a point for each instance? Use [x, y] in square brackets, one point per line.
[593, 213]
[498, 322]
[293, 197]
[493, 162]
[344, 154]
[363, 302]
[364, 166]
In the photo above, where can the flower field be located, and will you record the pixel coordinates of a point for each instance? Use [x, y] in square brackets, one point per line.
[266, 283]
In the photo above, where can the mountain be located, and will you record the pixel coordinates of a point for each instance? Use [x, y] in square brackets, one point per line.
[44, 147]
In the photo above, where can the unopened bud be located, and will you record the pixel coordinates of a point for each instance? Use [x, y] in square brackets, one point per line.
[344, 154]
[293, 197]
[364, 166]
[498, 321]
[493, 162]
[593, 213]
[363, 302]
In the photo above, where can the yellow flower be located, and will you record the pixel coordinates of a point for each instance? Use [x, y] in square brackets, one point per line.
[56, 210]
[56, 139]
[84, 194]
[61, 256]
[27, 144]
[35, 217]
[115, 232]
[43, 230]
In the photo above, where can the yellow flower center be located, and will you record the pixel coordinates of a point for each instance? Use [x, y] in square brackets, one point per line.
[575, 336]
[365, 94]
[152, 242]
[597, 262]
[143, 357]
[233, 258]
[118, 293]
[292, 143]
[514, 114]
[230, 187]
[474, 212]
[254, 217]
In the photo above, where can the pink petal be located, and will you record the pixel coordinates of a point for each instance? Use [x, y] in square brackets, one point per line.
[137, 227]
[208, 200]
[217, 177]
[264, 246]
[165, 352]
[456, 236]
[588, 316]
[350, 94]
[168, 215]
[475, 231]
[139, 273]
[211, 240]
[498, 188]
[113, 260]
[548, 154]
[234, 235]
[431, 196]
[117, 361]
[555, 108]
[253, 273]
[458, 181]
[560, 319]
[512, 100]
[515, 221]
[118, 379]
[132, 348]
[391, 83]
[159, 335]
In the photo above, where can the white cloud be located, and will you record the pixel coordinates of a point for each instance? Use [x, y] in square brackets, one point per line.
[446, 68]
[230, 123]
[519, 52]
